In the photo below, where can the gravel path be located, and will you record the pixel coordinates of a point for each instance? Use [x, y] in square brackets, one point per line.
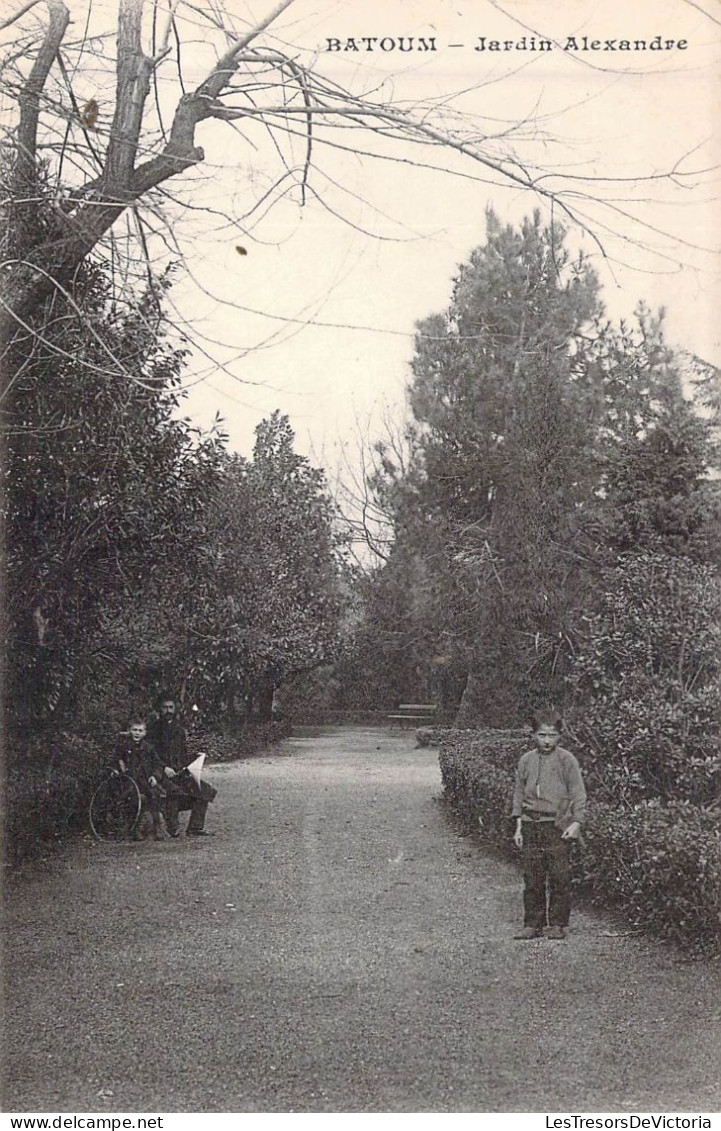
[338, 946]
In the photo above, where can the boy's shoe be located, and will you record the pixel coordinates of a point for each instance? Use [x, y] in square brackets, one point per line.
[198, 832]
[160, 834]
[556, 933]
[529, 933]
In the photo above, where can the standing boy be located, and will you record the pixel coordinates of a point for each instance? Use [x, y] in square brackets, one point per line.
[549, 802]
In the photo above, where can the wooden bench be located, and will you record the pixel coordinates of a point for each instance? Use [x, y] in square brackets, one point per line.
[416, 713]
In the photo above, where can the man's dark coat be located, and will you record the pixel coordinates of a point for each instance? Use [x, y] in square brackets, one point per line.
[171, 744]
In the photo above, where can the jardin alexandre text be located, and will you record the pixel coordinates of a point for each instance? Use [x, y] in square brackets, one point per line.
[527, 43]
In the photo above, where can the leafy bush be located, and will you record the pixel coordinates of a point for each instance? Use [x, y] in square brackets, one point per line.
[48, 788]
[646, 681]
[660, 864]
[477, 770]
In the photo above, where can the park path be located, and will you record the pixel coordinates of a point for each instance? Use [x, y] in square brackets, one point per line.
[339, 945]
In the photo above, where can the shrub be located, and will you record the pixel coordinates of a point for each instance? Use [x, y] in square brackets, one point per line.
[433, 735]
[477, 770]
[646, 680]
[48, 788]
[660, 864]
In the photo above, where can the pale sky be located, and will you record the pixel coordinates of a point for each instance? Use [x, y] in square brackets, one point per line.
[389, 261]
[611, 114]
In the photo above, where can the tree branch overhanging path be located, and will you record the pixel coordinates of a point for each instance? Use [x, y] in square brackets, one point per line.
[99, 173]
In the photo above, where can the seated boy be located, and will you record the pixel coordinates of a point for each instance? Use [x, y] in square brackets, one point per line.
[135, 756]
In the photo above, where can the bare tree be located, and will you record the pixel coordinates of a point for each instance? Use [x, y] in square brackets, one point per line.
[367, 472]
[103, 164]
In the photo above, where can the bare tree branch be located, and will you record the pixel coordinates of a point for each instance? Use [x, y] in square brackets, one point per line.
[248, 85]
[25, 169]
[25, 8]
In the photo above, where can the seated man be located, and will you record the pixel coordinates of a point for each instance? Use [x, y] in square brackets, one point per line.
[183, 792]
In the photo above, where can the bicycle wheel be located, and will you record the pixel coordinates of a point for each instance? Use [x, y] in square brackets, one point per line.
[115, 808]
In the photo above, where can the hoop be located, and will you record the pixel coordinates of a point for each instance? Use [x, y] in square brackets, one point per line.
[115, 807]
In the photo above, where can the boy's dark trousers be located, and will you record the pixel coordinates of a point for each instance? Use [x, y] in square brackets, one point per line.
[545, 856]
[152, 802]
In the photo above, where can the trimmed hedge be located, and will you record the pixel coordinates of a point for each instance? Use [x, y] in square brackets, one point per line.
[245, 744]
[49, 784]
[659, 864]
[662, 866]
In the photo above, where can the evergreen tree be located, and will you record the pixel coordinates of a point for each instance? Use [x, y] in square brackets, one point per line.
[504, 394]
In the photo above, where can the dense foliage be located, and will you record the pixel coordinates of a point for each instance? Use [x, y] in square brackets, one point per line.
[266, 600]
[139, 553]
[487, 515]
[646, 680]
[102, 484]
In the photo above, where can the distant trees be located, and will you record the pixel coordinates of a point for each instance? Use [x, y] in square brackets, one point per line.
[502, 392]
[265, 601]
[503, 405]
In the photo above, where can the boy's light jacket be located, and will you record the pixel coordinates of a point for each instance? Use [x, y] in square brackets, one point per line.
[550, 785]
